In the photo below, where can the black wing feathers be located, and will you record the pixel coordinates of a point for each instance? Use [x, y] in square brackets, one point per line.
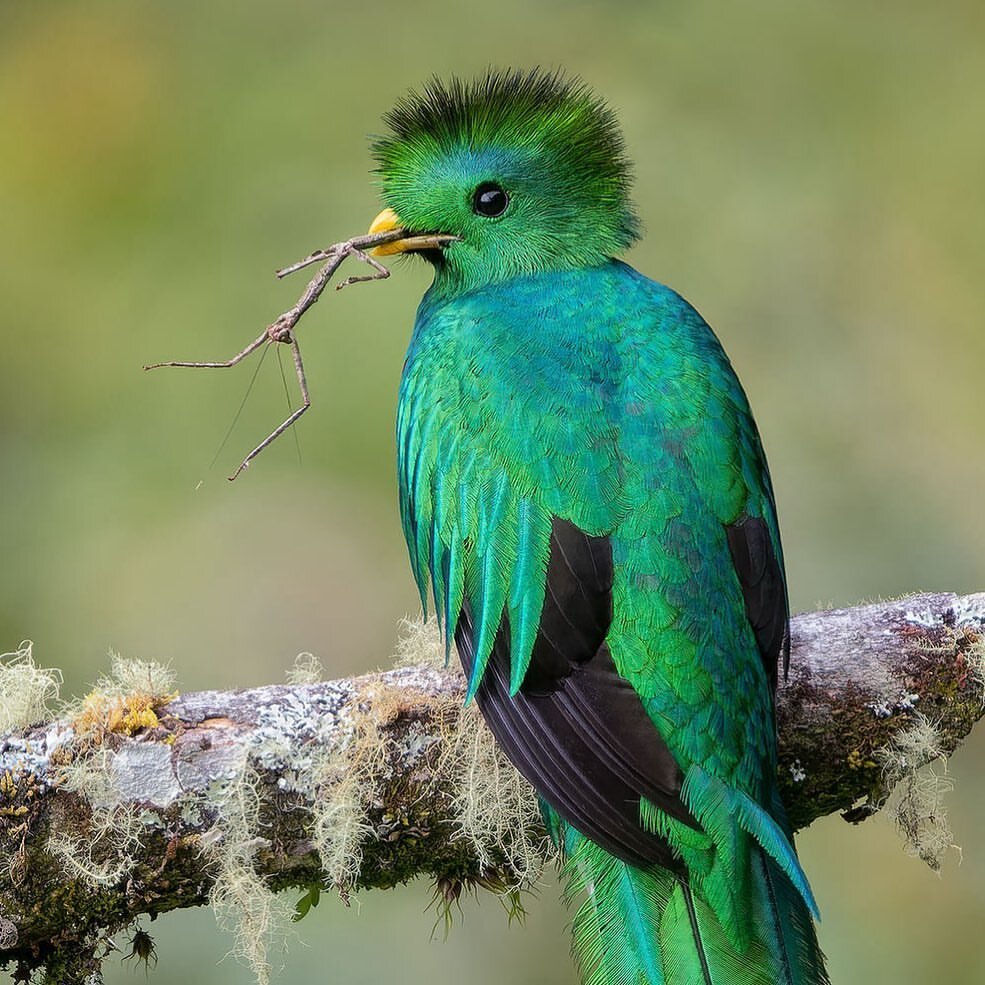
[559, 761]
[764, 590]
[577, 729]
[577, 606]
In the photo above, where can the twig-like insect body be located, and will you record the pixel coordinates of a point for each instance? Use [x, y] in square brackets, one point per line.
[282, 329]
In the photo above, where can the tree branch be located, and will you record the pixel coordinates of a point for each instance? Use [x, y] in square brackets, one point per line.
[133, 804]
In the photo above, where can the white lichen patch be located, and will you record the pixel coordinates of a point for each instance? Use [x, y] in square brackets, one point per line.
[293, 728]
[969, 610]
[907, 701]
[910, 766]
[27, 691]
[142, 772]
[19, 756]
[8, 934]
[926, 615]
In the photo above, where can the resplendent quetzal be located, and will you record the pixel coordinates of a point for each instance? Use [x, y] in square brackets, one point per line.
[583, 486]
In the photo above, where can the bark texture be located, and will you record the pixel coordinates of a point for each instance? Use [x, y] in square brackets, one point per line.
[368, 782]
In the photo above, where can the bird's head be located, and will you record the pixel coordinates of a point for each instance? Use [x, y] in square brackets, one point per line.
[526, 170]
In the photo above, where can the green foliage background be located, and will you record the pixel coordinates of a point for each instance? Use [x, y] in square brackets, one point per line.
[810, 175]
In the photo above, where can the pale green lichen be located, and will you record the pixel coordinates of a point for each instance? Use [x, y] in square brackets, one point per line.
[104, 850]
[26, 690]
[494, 807]
[340, 826]
[419, 643]
[242, 901]
[338, 778]
[91, 777]
[133, 676]
[975, 655]
[910, 764]
[307, 669]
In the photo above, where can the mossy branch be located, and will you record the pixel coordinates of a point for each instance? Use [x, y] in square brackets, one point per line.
[135, 802]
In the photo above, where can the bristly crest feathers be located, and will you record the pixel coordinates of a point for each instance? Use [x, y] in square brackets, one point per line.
[550, 133]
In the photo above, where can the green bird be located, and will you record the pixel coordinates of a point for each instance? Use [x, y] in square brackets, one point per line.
[583, 488]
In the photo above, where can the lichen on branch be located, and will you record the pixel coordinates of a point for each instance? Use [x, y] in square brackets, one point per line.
[135, 801]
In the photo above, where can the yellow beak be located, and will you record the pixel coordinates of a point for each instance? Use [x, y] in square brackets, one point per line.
[388, 221]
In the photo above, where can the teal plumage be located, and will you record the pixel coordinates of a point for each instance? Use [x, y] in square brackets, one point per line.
[583, 490]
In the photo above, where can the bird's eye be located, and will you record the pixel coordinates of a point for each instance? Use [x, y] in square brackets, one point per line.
[490, 200]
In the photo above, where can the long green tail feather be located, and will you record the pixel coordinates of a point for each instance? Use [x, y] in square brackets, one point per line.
[647, 927]
[722, 809]
[615, 938]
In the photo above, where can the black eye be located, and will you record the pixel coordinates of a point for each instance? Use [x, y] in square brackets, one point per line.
[490, 200]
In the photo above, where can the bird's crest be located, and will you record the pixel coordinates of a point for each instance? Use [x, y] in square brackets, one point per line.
[545, 137]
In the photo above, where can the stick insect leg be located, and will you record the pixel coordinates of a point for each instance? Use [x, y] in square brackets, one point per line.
[315, 257]
[238, 358]
[305, 404]
[380, 272]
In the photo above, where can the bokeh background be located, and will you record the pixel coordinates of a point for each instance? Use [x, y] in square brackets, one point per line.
[810, 176]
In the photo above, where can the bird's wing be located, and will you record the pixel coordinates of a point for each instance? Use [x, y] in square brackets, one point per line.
[764, 590]
[576, 728]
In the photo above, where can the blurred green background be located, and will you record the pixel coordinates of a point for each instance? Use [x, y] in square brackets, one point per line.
[810, 176]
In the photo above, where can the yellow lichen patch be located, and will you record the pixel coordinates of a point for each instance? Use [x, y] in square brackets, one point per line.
[16, 789]
[101, 713]
[856, 761]
[126, 702]
[8, 785]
